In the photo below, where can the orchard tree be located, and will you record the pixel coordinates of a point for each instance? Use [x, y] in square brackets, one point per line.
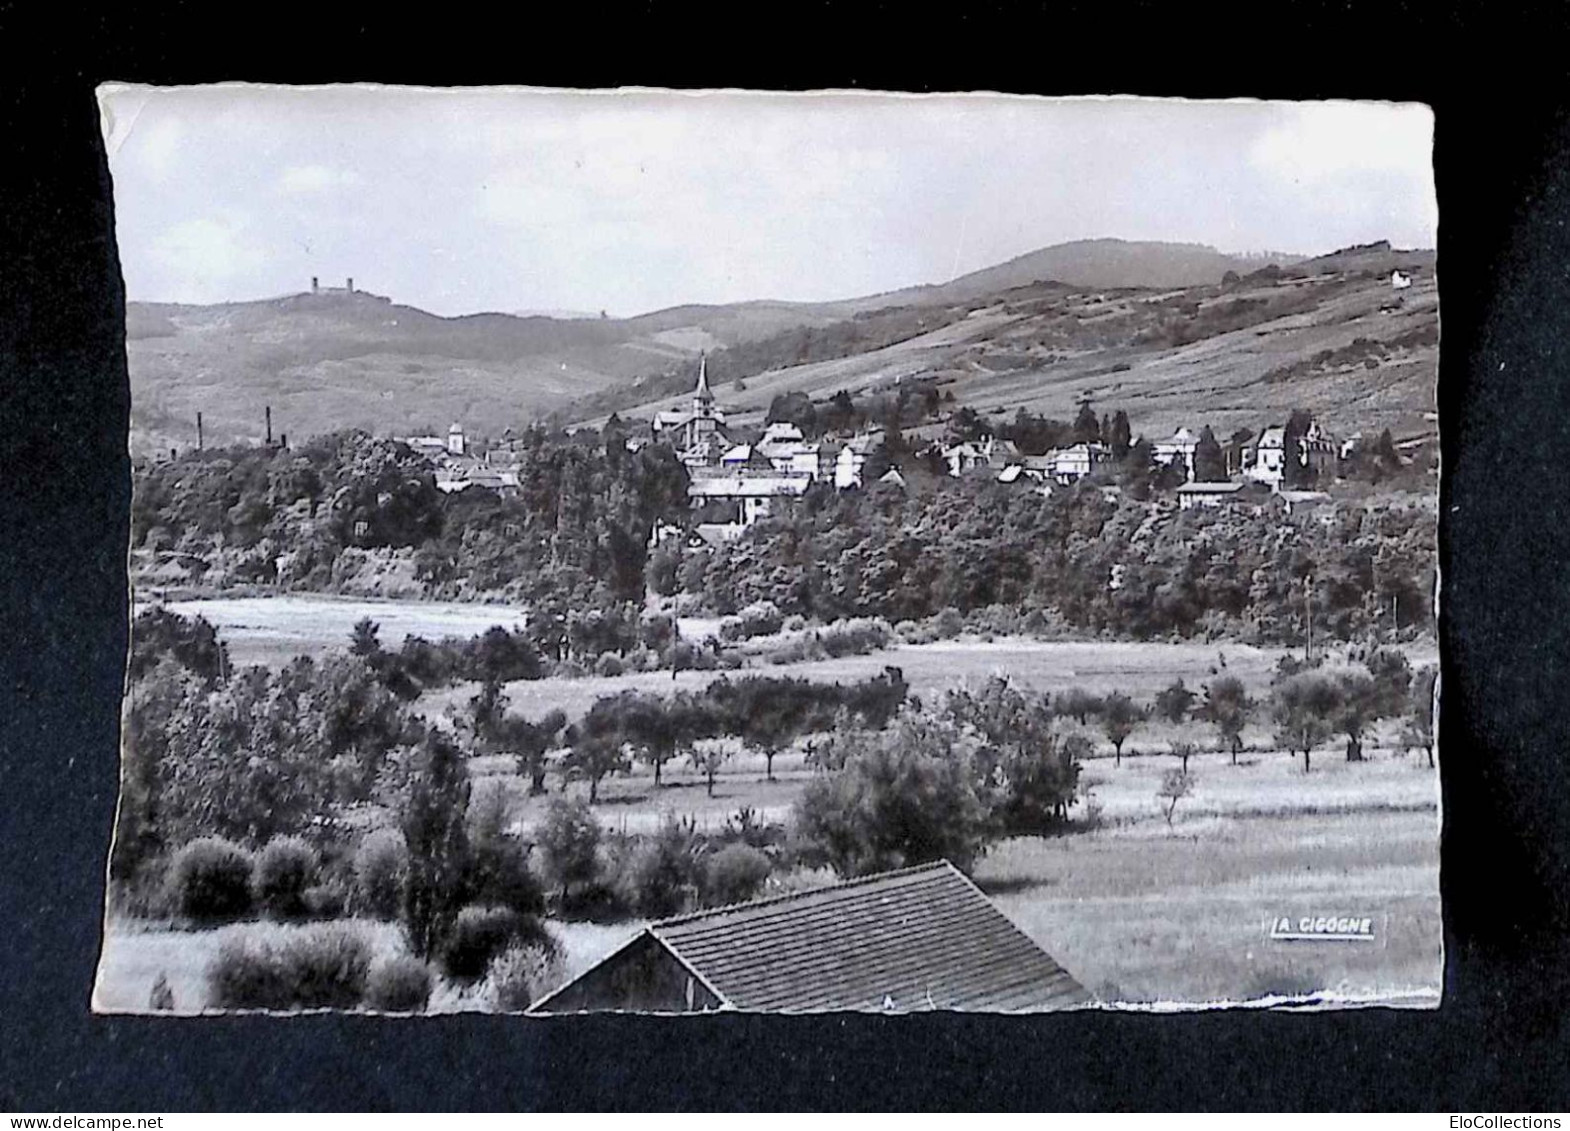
[1228, 707]
[530, 742]
[1119, 718]
[1175, 785]
[1304, 707]
[1174, 702]
[596, 746]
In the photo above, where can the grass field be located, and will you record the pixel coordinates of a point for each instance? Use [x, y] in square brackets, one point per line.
[1138, 911]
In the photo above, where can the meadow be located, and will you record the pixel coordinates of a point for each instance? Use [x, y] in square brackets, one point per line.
[1141, 911]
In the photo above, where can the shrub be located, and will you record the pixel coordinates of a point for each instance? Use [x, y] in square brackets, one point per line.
[400, 984]
[570, 837]
[499, 875]
[210, 880]
[381, 869]
[948, 624]
[246, 975]
[327, 967]
[856, 637]
[904, 796]
[479, 934]
[521, 975]
[660, 875]
[762, 618]
[325, 901]
[734, 874]
[286, 867]
[609, 664]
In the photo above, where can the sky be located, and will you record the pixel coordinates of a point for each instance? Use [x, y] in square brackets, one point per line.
[630, 201]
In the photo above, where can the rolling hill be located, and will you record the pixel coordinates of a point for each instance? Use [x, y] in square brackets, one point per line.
[1040, 330]
[1329, 335]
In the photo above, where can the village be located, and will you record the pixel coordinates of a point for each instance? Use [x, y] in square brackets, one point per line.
[738, 476]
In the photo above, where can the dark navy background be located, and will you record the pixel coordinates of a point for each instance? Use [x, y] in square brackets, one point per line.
[1503, 157]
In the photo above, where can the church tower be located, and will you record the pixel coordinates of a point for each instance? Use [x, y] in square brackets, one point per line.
[705, 421]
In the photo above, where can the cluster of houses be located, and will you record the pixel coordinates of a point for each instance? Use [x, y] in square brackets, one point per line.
[460, 467]
[744, 479]
[737, 483]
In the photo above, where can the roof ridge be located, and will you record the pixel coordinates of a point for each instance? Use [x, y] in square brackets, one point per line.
[857, 881]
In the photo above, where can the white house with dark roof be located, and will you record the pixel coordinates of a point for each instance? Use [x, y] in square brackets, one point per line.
[1177, 447]
[853, 457]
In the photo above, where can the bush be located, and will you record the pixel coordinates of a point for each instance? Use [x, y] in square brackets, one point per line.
[327, 967]
[570, 838]
[734, 874]
[286, 867]
[325, 901]
[609, 664]
[398, 985]
[481, 933]
[499, 875]
[948, 624]
[522, 975]
[762, 618]
[381, 868]
[660, 875]
[856, 637]
[210, 880]
[246, 975]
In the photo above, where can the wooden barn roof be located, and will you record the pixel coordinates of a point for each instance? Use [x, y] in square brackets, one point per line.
[920, 938]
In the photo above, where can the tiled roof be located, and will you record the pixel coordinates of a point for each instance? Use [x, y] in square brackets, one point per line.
[916, 939]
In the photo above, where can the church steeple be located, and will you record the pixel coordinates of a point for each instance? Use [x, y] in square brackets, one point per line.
[701, 394]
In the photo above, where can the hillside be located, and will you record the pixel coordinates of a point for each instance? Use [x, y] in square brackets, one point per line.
[1105, 264]
[335, 360]
[1329, 335]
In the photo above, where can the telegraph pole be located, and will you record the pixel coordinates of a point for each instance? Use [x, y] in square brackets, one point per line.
[1308, 615]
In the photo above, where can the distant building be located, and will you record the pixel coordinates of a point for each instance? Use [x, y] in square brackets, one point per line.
[971, 455]
[1400, 281]
[915, 940]
[785, 448]
[852, 458]
[750, 491]
[1071, 464]
[1265, 461]
[1178, 446]
[1191, 495]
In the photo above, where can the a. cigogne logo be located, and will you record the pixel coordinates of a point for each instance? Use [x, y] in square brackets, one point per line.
[1327, 928]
